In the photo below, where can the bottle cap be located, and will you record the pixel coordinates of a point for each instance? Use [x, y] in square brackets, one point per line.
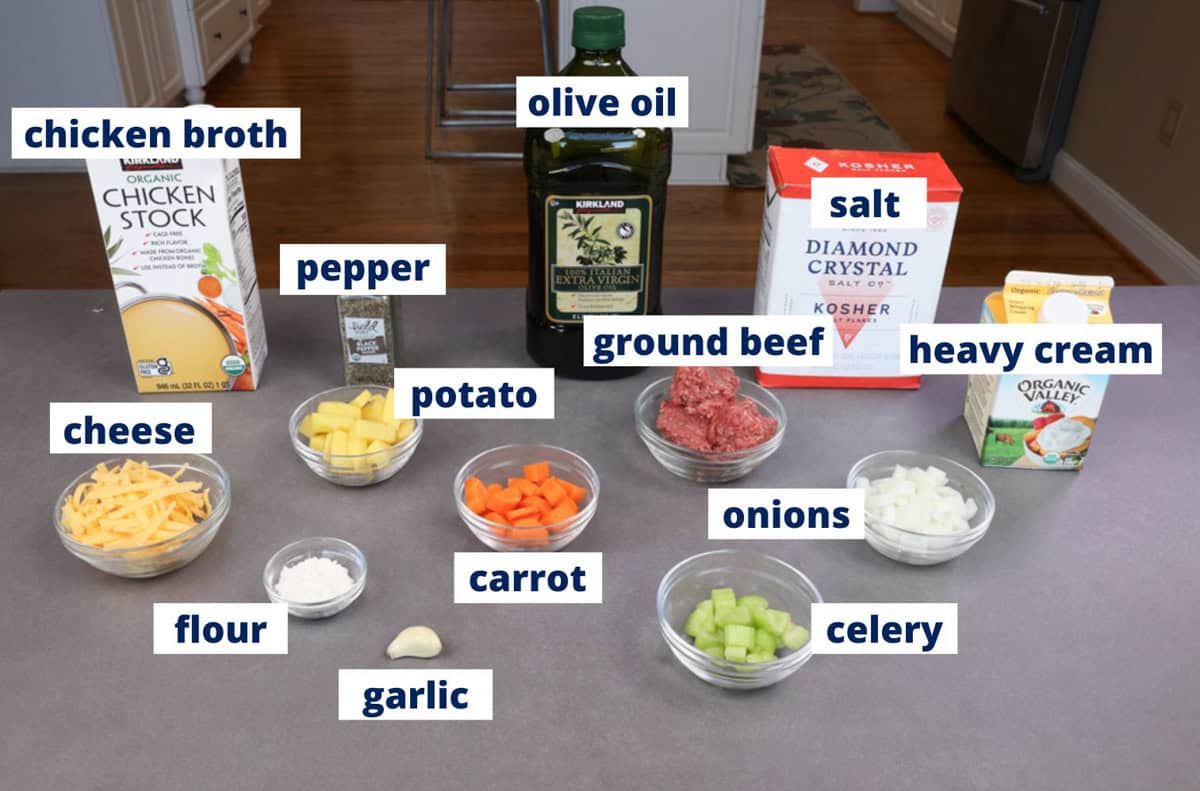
[1063, 307]
[598, 27]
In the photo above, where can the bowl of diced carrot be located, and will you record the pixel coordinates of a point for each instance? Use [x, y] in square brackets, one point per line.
[533, 498]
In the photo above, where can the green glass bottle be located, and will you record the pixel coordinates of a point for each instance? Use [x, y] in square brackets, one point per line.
[597, 199]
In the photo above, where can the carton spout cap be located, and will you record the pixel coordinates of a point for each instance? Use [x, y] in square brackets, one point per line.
[1063, 307]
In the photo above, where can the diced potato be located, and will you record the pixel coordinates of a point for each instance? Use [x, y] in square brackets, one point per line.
[404, 428]
[373, 409]
[370, 430]
[379, 455]
[357, 446]
[339, 408]
[339, 445]
[362, 429]
[324, 423]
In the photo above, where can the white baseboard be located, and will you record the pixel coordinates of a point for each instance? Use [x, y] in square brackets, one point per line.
[692, 169]
[936, 38]
[1153, 246]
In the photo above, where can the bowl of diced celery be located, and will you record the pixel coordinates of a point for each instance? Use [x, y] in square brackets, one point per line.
[737, 619]
[350, 435]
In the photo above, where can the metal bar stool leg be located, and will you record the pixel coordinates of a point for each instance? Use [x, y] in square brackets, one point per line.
[438, 77]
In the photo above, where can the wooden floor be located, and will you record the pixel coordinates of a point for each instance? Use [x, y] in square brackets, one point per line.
[357, 70]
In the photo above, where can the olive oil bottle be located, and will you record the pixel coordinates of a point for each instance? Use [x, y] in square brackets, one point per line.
[597, 198]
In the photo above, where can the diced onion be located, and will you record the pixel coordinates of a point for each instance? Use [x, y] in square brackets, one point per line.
[918, 500]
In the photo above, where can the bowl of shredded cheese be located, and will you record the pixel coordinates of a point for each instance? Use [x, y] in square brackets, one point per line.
[143, 518]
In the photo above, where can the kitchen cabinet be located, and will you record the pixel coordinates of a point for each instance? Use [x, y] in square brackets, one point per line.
[210, 34]
[718, 45]
[147, 54]
[934, 20]
[163, 48]
[116, 53]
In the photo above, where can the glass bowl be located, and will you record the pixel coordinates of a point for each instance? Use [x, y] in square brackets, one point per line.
[916, 548]
[333, 548]
[152, 560]
[700, 466]
[353, 469]
[497, 466]
[693, 580]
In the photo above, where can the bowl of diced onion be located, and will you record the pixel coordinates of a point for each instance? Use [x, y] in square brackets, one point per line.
[921, 509]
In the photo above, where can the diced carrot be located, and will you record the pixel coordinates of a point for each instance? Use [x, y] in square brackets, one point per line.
[562, 512]
[492, 516]
[576, 493]
[475, 495]
[531, 535]
[553, 491]
[524, 512]
[500, 532]
[535, 501]
[538, 471]
[527, 522]
[504, 500]
[526, 486]
[494, 487]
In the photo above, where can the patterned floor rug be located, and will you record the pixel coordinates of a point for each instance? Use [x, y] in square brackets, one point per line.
[804, 102]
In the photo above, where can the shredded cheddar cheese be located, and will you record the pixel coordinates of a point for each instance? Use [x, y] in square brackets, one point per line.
[134, 506]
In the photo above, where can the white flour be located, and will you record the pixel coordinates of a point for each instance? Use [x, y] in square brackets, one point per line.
[312, 580]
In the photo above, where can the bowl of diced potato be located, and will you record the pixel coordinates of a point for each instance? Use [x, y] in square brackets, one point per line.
[350, 435]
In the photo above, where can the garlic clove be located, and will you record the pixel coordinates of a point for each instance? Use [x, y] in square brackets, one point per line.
[415, 641]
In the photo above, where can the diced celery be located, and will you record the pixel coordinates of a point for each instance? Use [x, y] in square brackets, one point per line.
[795, 636]
[764, 642]
[736, 634]
[735, 653]
[752, 603]
[699, 621]
[705, 606]
[720, 595]
[738, 615]
[755, 657]
[774, 621]
[706, 640]
[716, 652]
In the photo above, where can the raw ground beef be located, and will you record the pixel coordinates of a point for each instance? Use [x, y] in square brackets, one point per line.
[738, 426]
[702, 391]
[703, 412]
[676, 425]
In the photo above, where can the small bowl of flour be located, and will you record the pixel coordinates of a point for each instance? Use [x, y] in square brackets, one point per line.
[316, 577]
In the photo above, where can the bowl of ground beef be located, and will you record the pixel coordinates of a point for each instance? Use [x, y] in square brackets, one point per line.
[708, 424]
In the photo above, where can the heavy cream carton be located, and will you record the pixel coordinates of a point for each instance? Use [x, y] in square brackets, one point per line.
[177, 239]
[1039, 422]
[868, 281]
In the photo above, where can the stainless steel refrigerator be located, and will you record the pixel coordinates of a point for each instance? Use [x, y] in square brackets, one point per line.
[1014, 73]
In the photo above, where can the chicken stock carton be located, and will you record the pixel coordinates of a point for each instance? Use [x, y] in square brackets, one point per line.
[868, 281]
[177, 238]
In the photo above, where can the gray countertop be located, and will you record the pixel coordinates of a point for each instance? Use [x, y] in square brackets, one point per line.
[1078, 644]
